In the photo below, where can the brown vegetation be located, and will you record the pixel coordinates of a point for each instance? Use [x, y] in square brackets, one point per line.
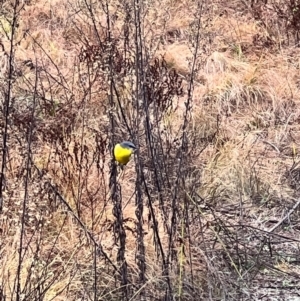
[208, 208]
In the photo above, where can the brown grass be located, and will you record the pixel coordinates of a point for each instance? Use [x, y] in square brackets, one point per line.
[244, 125]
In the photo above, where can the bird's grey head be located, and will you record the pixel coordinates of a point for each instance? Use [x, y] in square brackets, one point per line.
[128, 144]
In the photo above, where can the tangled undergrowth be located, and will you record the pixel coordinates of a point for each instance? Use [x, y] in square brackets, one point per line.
[208, 208]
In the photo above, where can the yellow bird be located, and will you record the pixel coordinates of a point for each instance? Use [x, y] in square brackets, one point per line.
[123, 151]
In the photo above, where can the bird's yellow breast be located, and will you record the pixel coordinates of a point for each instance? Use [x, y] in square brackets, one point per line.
[122, 154]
